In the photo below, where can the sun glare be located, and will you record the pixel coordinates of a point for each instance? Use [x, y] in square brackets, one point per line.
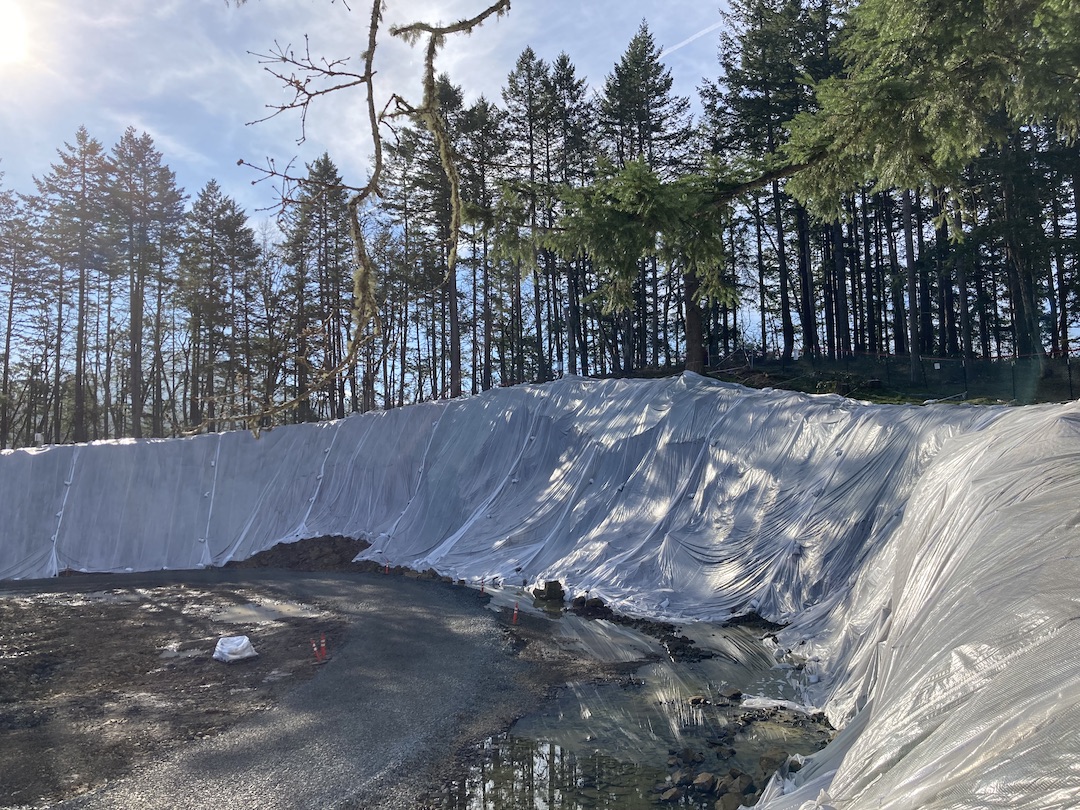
[14, 38]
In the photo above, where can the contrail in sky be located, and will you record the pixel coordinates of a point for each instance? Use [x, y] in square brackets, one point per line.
[688, 40]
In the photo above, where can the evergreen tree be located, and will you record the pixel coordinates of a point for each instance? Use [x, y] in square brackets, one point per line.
[318, 249]
[484, 148]
[572, 114]
[146, 212]
[74, 198]
[18, 261]
[772, 47]
[528, 108]
[218, 249]
[640, 118]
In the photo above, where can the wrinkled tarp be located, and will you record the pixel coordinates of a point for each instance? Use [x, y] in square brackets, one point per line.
[922, 557]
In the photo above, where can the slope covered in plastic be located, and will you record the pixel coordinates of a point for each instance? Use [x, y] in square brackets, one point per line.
[922, 556]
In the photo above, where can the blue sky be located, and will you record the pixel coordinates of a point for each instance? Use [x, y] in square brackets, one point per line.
[183, 70]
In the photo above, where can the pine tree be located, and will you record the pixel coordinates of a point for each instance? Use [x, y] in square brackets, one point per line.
[318, 250]
[528, 107]
[74, 197]
[484, 144]
[146, 212]
[772, 46]
[572, 114]
[17, 264]
[219, 248]
[641, 120]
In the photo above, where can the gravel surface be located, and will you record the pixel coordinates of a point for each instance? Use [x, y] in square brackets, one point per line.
[425, 668]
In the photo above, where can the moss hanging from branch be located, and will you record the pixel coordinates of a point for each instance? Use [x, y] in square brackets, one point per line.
[429, 114]
[304, 76]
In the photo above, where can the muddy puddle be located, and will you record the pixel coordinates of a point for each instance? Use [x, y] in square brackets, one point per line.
[700, 733]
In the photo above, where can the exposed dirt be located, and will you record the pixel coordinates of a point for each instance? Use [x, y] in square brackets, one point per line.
[94, 683]
[97, 680]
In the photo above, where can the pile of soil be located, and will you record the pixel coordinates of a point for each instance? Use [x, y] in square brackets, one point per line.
[330, 553]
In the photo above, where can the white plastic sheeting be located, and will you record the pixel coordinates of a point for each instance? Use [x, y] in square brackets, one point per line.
[924, 557]
[234, 648]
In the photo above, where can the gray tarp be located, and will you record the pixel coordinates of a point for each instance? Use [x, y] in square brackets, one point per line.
[924, 557]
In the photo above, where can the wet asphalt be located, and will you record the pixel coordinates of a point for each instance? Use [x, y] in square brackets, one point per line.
[425, 667]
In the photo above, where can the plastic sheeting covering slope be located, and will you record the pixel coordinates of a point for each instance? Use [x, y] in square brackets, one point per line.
[681, 497]
[959, 642]
[924, 556]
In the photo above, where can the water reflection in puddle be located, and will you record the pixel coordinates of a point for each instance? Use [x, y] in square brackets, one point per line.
[619, 744]
[521, 774]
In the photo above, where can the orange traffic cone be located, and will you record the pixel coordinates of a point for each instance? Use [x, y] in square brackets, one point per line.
[514, 620]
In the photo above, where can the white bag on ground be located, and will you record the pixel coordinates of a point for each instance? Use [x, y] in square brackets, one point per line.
[234, 648]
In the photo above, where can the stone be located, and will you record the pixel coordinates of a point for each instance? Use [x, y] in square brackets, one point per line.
[697, 700]
[682, 778]
[551, 592]
[671, 795]
[578, 603]
[731, 693]
[771, 760]
[729, 801]
[705, 782]
[743, 784]
[691, 757]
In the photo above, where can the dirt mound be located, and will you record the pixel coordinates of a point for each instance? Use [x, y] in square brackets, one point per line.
[329, 553]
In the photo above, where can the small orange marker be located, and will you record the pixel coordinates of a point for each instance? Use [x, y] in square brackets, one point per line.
[514, 620]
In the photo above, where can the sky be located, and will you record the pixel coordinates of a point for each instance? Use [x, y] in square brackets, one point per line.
[187, 73]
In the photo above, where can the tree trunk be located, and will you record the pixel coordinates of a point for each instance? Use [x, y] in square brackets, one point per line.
[807, 314]
[872, 330]
[912, 286]
[843, 325]
[787, 326]
[78, 425]
[455, 333]
[695, 349]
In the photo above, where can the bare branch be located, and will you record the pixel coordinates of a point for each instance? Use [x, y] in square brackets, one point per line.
[309, 80]
[305, 76]
[428, 112]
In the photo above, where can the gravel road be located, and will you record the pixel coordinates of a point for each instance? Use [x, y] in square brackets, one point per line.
[425, 668]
